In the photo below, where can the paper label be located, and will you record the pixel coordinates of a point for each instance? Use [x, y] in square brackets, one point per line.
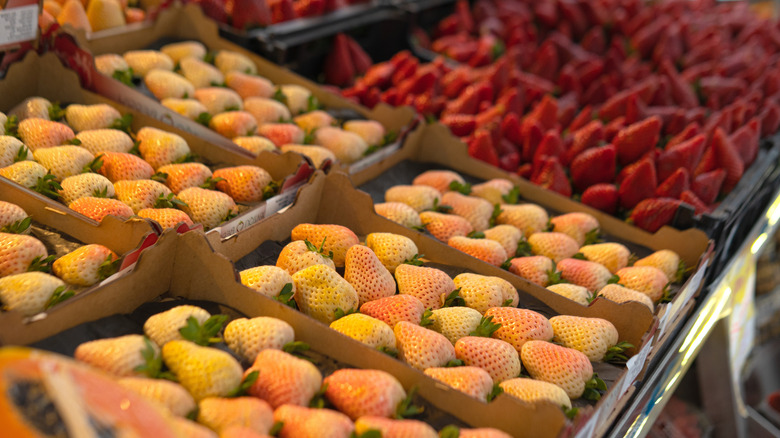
[242, 222]
[282, 200]
[375, 157]
[678, 304]
[634, 366]
[589, 429]
[608, 402]
[18, 24]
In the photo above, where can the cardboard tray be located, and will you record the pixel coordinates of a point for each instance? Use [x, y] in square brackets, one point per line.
[188, 23]
[45, 76]
[183, 266]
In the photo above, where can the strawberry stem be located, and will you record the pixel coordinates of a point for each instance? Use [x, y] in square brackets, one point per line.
[495, 392]
[426, 320]
[12, 126]
[286, 296]
[93, 165]
[389, 138]
[450, 431]
[203, 334]
[523, 249]
[405, 408]
[21, 154]
[496, 213]
[276, 428]
[454, 363]
[554, 277]
[318, 400]
[48, 186]
[593, 236]
[124, 76]
[109, 267]
[60, 294]
[244, 386]
[440, 208]
[505, 266]
[476, 235]
[123, 123]
[18, 227]
[41, 264]
[579, 256]
[56, 112]
[513, 197]
[153, 363]
[414, 261]
[614, 280]
[615, 353]
[594, 388]
[463, 188]
[271, 190]
[681, 271]
[340, 313]
[485, 328]
[570, 413]
[454, 299]
[388, 351]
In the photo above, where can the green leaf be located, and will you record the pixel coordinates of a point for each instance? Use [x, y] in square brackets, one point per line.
[41, 264]
[219, 84]
[426, 320]
[153, 363]
[554, 277]
[390, 138]
[11, 126]
[449, 432]
[160, 177]
[523, 249]
[109, 267]
[454, 363]
[124, 76]
[312, 104]
[370, 433]
[494, 216]
[203, 118]
[570, 413]
[681, 271]
[211, 183]
[486, 327]
[135, 149]
[232, 108]
[318, 400]
[463, 188]
[321, 250]
[440, 208]
[498, 49]
[272, 189]
[666, 295]
[123, 123]
[48, 186]
[454, 299]
[371, 149]
[60, 294]
[340, 313]
[279, 96]
[101, 193]
[56, 112]
[495, 392]
[430, 119]
[615, 353]
[170, 201]
[593, 236]
[94, 165]
[209, 57]
[18, 227]
[613, 279]
[73, 141]
[388, 351]
[550, 226]
[476, 235]
[506, 265]
[286, 296]
[406, 409]
[245, 384]
[310, 136]
[296, 347]
[206, 333]
[189, 158]
[21, 154]
[508, 303]
[276, 428]
[513, 197]
[579, 256]
[415, 260]
[594, 388]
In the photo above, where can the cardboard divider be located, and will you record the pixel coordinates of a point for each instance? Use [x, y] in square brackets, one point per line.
[45, 76]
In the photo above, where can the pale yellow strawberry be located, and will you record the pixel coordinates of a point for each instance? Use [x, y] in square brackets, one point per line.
[164, 327]
[218, 99]
[455, 322]
[592, 336]
[18, 252]
[11, 150]
[32, 107]
[64, 161]
[207, 207]
[165, 217]
[507, 235]
[335, 239]
[110, 63]
[199, 73]
[347, 146]
[392, 249]
[73, 13]
[189, 108]
[41, 133]
[489, 251]
[255, 144]
[317, 154]
[313, 120]
[612, 256]
[399, 213]
[440, 180]
[11, 217]
[420, 198]
[86, 266]
[141, 194]
[144, 61]
[528, 218]
[85, 185]
[105, 140]
[105, 14]
[159, 147]
[248, 86]
[557, 246]
[620, 294]
[475, 210]
[267, 280]
[320, 292]
[167, 394]
[30, 293]
[371, 131]
[184, 49]
[365, 272]
[493, 190]
[667, 261]
[297, 98]
[191, 429]
[365, 329]
[227, 61]
[573, 292]
[649, 280]
[203, 371]
[118, 356]
[232, 124]
[579, 226]
[166, 84]
[298, 255]
[532, 391]
[88, 117]
[481, 292]
[248, 337]
[266, 110]
[565, 367]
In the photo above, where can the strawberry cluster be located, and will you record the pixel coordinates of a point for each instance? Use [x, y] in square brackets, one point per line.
[624, 104]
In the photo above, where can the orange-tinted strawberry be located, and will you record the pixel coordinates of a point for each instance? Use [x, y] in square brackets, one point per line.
[364, 392]
[536, 269]
[64, 161]
[390, 428]
[529, 218]
[590, 275]
[118, 356]
[556, 246]
[666, 260]
[232, 124]
[166, 217]
[420, 198]
[255, 144]
[399, 213]
[620, 294]
[141, 194]
[573, 292]
[164, 84]
[333, 238]
[581, 227]
[318, 155]
[118, 166]
[86, 266]
[248, 86]
[159, 147]
[98, 208]
[85, 184]
[565, 367]
[440, 180]
[228, 61]
[471, 380]
[646, 279]
[494, 190]
[444, 226]
[395, 308]
[143, 61]
[189, 108]
[532, 391]
[199, 73]
[182, 176]
[41, 133]
[181, 50]
[482, 432]
[207, 207]
[323, 294]
[489, 251]
[346, 146]
[495, 356]
[218, 99]
[299, 254]
[612, 256]
[300, 422]
[429, 285]
[314, 120]
[507, 235]
[243, 183]
[392, 249]
[281, 134]
[519, 325]
[482, 292]
[476, 210]
[284, 379]
[365, 272]
[266, 110]
[18, 252]
[220, 413]
[422, 348]
[88, 117]
[371, 131]
[100, 141]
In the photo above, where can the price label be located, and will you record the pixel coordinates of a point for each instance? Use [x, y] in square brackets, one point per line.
[634, 366]
[18, 24]
[375, 157]
[673, 310]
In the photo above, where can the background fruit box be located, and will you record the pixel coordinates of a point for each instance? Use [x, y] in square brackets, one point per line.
[184, 267]
[332, 200]
[188, 23]
[46, 77]
[433, 147]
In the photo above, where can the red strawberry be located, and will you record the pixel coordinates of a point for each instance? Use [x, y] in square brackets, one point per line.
[673, 186]
[311, 8]
[584, 117]
[613, 127]
[281, 11]
[587, 137]
[603, 197]
[552, 176]
[481, 147]
[692, 130]
[593, 166]
[546, 113]
[745, 140]
[690, 198]
[249, 13]
[686, 155]
[395, 308]
[531, 138]
[707, 185]
[510, 128]
[770, 118]
[638, 184]
[635, 140]
[728, 158]
[550, 146]
[460, 124]
[651, 214]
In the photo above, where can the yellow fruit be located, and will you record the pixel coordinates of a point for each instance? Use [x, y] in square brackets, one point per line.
[203, 371]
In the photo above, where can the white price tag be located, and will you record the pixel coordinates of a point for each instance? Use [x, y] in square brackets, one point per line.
[282, 200]
[634, 366]
[375, 157]
[242, 222]
[19, 24]
[675, 307]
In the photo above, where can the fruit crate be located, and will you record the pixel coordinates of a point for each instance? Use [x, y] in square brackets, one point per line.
[189, 24]
[33, 77]
[182, 269]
